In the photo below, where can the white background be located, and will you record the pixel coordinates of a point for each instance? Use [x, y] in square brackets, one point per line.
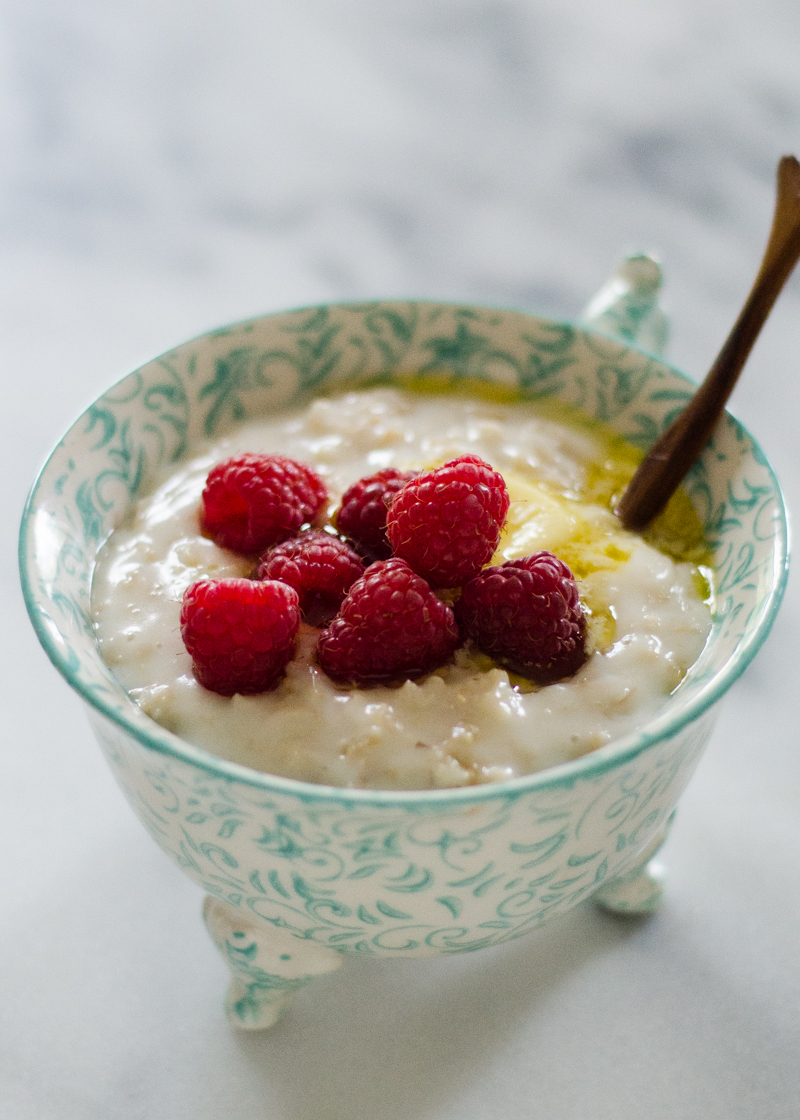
[169, 165]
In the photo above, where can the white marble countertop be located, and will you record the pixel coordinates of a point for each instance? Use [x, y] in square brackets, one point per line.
[171, 165]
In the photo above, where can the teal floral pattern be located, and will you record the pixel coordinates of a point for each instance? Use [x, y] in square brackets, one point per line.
[409, 874]
[411, 879]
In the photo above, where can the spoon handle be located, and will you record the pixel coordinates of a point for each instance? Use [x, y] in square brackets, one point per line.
[669, 459]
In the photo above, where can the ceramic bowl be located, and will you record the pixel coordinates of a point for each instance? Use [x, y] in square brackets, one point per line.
[296, 875]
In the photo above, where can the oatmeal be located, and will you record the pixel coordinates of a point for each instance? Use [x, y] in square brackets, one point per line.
[468, 721]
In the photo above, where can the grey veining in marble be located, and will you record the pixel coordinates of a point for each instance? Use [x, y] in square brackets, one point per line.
[175, 164]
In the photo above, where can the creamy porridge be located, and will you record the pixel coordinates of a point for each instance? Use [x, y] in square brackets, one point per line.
[469, 721]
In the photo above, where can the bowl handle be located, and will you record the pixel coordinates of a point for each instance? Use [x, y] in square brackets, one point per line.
[626, 308]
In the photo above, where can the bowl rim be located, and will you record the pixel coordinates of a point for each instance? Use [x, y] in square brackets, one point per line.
[563, 775]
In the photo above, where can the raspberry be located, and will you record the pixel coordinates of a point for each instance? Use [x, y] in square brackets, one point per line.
[446, 523]
[390, 626]
[526, 613]
[320, 568]
[239, 632]
[362, 515]
[253, 501]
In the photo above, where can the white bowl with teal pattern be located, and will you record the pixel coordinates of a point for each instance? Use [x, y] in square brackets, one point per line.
[298, 875]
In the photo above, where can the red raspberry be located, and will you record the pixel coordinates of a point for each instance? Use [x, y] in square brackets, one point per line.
[362, 515]
[239, 632]
[390, 626]
[253, 501]
[526, 613]
[446, 523]
[321, 569]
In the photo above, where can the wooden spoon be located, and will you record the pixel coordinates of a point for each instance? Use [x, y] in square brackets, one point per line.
[669, 459]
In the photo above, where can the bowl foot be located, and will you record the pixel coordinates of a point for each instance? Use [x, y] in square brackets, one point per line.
[639, 889]
[269, 965]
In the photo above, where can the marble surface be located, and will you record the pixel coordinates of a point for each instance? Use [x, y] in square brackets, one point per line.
[170, 165]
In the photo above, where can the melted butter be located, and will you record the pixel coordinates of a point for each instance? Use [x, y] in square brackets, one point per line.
[588, 538]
